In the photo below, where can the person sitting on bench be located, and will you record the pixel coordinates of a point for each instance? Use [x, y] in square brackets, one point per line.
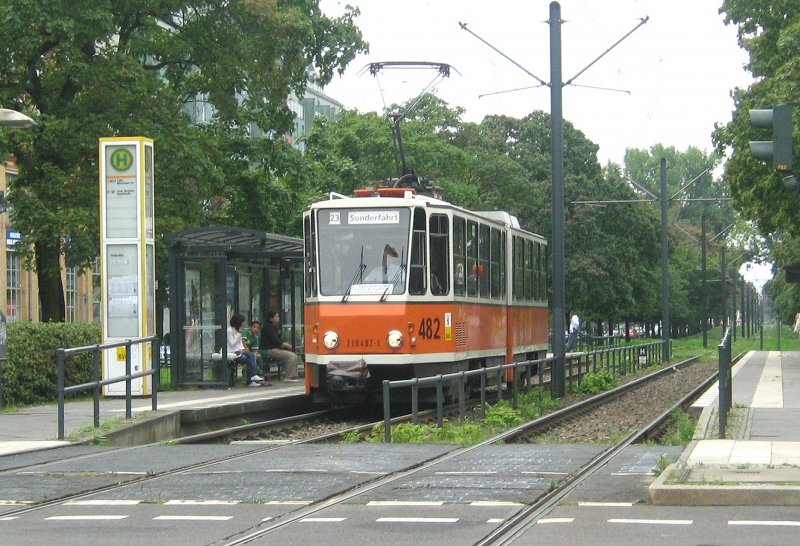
[273, 346]
[242, 355]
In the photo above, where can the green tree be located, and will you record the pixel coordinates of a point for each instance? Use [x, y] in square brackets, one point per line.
[770, 32]
[93, 68]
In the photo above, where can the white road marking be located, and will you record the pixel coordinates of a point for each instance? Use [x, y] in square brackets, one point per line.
[495, 520]
[467, 473]
[289, 503]
[201, 502]
[9, 518]
[554, 520]
[416, 520]
[14, 502]
[654, 521]
[87, 517]
[767, 523]
[102, 502]
[604, 504]
[494, 503]
[405, 503]
[193, 518]
[544, 473]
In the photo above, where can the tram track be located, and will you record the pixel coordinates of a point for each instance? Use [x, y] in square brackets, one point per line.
[257, 449]
[530, 513]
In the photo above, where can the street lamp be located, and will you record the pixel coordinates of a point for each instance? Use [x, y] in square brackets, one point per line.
[14, 119]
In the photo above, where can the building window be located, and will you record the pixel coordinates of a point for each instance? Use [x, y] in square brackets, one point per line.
[72, 295]
[13, 286]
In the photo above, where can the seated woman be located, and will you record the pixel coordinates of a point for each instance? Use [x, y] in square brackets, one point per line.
[241, 355]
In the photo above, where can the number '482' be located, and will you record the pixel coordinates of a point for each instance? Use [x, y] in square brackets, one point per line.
[429, 328]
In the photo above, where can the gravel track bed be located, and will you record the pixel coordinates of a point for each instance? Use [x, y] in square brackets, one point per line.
[631, 411]
[612, 420]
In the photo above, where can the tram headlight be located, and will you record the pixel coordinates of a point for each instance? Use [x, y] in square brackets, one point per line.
[395, 339]
[330, 340]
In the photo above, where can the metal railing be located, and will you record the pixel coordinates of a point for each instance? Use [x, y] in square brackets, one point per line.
[725, 382]
[97, 383]
[616, 360]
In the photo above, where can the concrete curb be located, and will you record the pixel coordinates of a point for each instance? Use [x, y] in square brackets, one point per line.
[733, 494]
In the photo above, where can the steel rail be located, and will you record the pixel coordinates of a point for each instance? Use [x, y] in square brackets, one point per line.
[515, 527]
[359, 490]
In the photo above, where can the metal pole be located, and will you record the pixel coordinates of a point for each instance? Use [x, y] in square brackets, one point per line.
[705, 281]
[387, 414]
[462, 407]
[60, 360]
[733, 294]
[128, 402]
[744, 306]
[155, 358]
[665, 326]
[483, 393]
[415, 401]
[557, 148]
[439, 401]
[96, 390]
[724, 267]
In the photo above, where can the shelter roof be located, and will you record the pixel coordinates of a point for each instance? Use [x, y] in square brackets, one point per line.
[235, 242]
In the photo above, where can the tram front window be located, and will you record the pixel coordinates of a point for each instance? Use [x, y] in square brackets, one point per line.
[363, 251]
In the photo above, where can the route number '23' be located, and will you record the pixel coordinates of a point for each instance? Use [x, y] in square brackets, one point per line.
[429, 328]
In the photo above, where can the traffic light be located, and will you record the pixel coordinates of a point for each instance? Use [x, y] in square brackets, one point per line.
[777, 151]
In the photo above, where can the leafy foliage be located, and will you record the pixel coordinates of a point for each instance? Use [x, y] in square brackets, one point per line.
[770, 32]
[30, 375]
[595, 383]
[96, 68]
[681, 429]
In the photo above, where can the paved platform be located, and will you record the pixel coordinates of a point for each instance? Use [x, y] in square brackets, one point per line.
[758, 462]
[36, 427]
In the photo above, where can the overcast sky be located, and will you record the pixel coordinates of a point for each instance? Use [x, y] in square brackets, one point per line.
[677, 69]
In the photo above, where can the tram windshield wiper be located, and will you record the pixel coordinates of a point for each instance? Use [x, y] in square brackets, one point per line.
[398, 276]
[359, 274]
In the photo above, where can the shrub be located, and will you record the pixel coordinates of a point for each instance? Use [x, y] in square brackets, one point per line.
[30, 374]
[501, 416]
[681, 429]
[595, 383]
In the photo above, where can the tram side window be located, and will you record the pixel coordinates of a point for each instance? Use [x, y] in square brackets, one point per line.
[484, 271]
[439, 248]
[544, 271]
[518, 271]
[472, 258]
[528, 270]
[459, 257]
[310, 242]
[536, 271]
[417, 276]
[496, 273]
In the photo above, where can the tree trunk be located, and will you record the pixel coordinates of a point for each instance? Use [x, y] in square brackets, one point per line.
[51, 290]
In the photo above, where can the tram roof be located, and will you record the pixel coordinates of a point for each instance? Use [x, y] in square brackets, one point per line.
[236, 241]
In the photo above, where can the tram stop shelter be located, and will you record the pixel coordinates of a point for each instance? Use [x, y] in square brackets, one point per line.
[215, 272]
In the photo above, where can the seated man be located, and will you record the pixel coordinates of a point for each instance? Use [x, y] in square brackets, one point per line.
[273, 346]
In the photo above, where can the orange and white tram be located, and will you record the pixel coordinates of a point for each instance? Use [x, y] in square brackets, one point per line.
[401, 285]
